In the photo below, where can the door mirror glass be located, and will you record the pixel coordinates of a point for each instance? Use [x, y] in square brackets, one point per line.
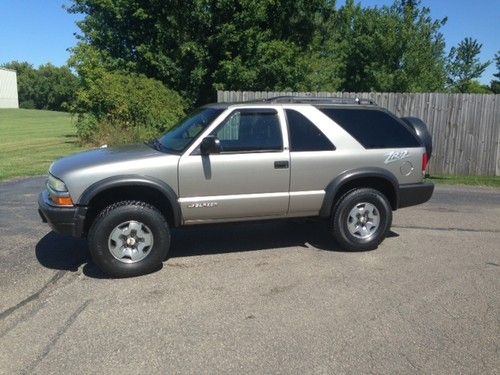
[210, 145]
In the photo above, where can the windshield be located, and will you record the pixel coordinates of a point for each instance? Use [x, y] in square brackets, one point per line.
[181, 136]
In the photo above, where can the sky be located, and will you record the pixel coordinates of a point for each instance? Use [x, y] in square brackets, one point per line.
[41, 31]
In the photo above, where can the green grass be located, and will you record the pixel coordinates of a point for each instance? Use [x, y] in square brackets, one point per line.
[30, 140]
[490, 181]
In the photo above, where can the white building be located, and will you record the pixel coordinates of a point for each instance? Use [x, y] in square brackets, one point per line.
[8, 89]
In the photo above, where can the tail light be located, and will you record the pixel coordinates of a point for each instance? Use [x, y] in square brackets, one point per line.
[425, 163]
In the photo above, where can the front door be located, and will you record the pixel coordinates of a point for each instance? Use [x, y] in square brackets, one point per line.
[250, 177]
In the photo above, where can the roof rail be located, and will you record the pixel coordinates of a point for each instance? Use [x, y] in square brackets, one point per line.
[318, 100]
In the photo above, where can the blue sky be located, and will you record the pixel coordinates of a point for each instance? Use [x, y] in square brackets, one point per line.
[40, 31]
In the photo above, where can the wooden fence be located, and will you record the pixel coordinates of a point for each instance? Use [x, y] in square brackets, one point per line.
[465, 127]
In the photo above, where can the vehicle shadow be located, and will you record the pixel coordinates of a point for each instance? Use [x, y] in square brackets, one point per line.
[61, 252]
[66, 253]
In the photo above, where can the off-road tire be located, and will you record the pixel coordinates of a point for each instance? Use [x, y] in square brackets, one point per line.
[340, 216]
[114, 215]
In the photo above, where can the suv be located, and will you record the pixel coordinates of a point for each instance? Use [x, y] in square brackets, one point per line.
[346, 161]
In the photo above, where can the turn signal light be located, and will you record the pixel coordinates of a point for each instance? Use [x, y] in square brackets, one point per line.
[62, 201]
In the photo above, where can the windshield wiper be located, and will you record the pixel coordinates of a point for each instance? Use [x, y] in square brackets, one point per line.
[155, 143]
[158, 146]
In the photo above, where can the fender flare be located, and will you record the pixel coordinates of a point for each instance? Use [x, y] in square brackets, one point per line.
[336, 184]
[134, 180]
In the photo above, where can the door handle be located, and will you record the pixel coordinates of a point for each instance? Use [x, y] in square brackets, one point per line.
[281, 164]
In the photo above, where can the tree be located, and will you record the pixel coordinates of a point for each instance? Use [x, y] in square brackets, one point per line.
[198, 46]
[396, 48]
[48, 87]
[195, 46]
[55, 87]
[476, 87]
[26, 76]
[495, 84]
[464, 66]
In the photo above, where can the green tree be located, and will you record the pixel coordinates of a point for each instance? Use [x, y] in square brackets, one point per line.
[464, 66]
[196, 46]
[48, 87]
[26, 76]
[495, 83]
[476, 87]
[397, 48]
[55, 87]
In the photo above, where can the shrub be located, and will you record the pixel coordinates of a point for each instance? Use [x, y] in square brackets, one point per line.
[115, 108]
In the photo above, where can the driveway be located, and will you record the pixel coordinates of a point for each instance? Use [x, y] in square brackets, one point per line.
[270, 297]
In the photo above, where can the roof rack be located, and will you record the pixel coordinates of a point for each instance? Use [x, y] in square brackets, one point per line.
[318, 100]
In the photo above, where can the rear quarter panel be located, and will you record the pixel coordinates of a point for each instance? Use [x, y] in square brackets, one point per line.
[312, 171]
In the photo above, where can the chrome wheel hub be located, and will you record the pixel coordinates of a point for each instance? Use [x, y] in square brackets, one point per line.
[130, 242]
[363, 220]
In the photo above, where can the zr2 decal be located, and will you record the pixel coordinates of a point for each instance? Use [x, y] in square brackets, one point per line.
[395, 156]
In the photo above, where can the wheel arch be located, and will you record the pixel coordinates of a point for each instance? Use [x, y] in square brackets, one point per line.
[377, 178]
[126, 187]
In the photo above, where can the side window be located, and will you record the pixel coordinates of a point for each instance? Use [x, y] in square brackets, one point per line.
[373, 128]
[304, 135]
[251, 130]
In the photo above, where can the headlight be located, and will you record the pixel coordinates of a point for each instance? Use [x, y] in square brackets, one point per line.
[56, 184]
[58, 192]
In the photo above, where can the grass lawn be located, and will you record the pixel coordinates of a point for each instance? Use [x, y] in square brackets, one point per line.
[30, 140]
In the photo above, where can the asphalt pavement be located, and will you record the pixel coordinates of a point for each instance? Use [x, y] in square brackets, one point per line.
[261, 297]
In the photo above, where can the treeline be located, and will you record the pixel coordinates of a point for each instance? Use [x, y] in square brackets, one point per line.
[129, 49]
[197, 46]
[46, 87]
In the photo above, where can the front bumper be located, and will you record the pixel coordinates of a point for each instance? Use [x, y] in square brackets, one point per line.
[63, 220]
[413, 194]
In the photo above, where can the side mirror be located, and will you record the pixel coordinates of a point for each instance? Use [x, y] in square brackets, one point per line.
[210, 145]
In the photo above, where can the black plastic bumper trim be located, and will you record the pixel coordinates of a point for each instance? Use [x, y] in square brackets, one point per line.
[63, 220]
[413, 194]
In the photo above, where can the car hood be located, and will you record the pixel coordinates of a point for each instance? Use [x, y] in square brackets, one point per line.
[102, 156]
[81, 170]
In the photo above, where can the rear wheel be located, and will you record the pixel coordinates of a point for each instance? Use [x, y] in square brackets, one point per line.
[361, 219]
[129, 238]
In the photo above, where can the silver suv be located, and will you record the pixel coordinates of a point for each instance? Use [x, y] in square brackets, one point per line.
[346, 161]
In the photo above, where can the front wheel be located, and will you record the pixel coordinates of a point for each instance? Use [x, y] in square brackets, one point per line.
[361, 219]
[129, 238]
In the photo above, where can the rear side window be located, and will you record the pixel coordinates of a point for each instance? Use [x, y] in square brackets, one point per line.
[304, 135]
[373, 128]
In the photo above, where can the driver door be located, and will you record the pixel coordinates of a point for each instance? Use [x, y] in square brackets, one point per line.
[249, 178]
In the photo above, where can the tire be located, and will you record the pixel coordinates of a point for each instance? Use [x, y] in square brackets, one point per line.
[366, 212]
[129, 238]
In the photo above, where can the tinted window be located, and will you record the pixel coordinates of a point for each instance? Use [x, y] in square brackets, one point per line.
[304, 135]
[373, 128]
[250, 130]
